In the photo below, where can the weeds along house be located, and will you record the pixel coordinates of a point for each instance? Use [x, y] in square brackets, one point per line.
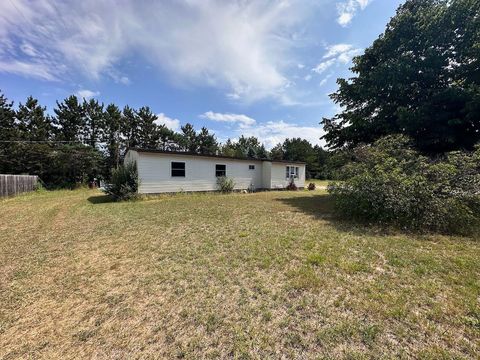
[167, 171]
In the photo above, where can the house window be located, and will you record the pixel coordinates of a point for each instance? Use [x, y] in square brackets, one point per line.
[178, 169]
[220, 170]
[291, 172]
[251, 167]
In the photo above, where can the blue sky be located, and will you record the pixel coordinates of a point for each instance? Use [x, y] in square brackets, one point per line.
[259, 67]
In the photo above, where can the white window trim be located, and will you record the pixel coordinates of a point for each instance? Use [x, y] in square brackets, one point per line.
[293, 171]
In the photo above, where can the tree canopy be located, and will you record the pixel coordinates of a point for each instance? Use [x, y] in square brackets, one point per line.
[420, 78]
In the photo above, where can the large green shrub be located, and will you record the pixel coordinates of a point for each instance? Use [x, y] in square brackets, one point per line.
[225, 184]
[124, 182]
[390, 183]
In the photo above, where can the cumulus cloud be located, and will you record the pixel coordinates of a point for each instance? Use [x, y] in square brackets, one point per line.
[273, 132]
[242, 120]
[270, 133]
[242, 47]
[348, 9]
[87, 94]
[172, 124]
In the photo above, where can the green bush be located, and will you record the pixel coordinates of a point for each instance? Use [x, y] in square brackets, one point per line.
[124, 182]
[225, 184]
[390, 183]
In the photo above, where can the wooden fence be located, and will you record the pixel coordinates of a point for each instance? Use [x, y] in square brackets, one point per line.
[11, 185]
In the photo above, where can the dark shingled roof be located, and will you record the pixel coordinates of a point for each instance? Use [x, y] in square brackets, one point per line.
[156, 151]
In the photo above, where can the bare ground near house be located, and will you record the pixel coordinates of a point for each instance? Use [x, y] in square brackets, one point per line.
[265, 275]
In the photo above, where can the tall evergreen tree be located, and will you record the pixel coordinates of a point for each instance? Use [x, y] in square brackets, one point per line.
[130, 127]
[228, 148]
[8, 129]
[93, 122]
[276, 153]
[33, 123]
[168, 139]
[207, 144]
[112, 135]
[250, 147]
[148, 135]
[8, 133]
[189, 138]
[70, 120]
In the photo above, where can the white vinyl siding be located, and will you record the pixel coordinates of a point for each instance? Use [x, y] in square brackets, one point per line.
[155, 177]
[279, 179]
[155, 173]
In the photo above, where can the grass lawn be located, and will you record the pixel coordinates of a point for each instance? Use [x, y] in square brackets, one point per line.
[266, 275]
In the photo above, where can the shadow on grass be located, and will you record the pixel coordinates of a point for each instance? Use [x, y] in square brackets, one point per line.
[100, 199]
[321, 207]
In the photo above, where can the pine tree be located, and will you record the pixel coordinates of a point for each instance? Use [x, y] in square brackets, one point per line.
[8, 133]
[70, 119]
[148, 134]
[277, 152]
[112, 135]
[93, 122]
[207, 144]
[33, 123]
[189, 138]
[228, 149]
[130, 127]
[168, 139]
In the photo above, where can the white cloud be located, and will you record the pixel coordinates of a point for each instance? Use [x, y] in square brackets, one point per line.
[273, 132]
[87, 94]
[336, 54]
[29, 50]
[28, 69]
[334, 50]
[324, 80]
[240, 47]
[172, 124]
[348, 9]
[324, 65]
[242, 120]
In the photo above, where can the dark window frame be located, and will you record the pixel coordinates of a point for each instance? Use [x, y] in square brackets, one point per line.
[220, 172]
[251, 167]
[176, 171]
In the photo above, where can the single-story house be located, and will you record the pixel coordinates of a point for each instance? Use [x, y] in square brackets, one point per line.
[171, 171]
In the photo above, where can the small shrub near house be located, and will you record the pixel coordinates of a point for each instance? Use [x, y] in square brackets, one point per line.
[390, 183]
[225, 184]
[291, 185]
[124, 182]
[311, 186]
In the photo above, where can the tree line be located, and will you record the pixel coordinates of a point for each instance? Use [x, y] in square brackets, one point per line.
[85, 139]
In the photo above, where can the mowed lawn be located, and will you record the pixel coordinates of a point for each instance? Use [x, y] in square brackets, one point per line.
[265, 275]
